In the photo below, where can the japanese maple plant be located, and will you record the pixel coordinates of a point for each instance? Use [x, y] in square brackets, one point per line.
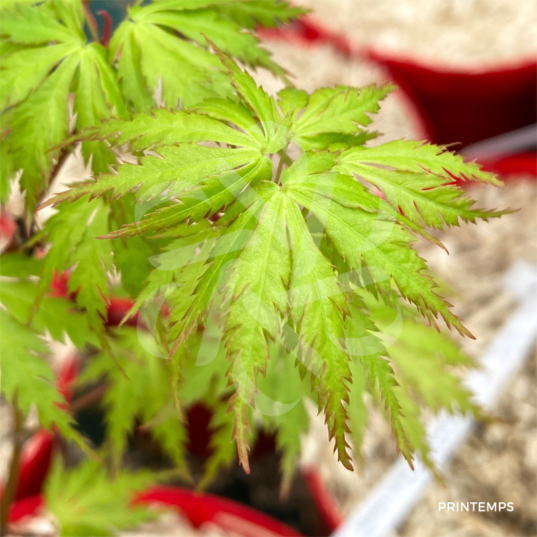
[267, 246]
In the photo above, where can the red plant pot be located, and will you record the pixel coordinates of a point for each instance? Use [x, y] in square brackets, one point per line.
[198, 508]
[521, 164]
[466, 106]
[226, 514]
[34, 465]
[7, 227]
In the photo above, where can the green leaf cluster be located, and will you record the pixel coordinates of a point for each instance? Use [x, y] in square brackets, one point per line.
[300, 256]
[158, 55]
[86, 501]
[27, 377]
[259, 281]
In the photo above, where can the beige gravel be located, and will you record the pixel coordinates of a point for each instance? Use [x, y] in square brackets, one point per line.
[454, 33]
[499, 462]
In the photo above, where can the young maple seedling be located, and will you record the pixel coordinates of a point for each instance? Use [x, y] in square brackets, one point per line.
[283, 280]
[55, 82]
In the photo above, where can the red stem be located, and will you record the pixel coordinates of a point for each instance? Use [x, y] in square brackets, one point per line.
[107, 27]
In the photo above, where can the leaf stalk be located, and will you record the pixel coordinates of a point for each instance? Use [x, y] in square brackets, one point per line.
[14, 468]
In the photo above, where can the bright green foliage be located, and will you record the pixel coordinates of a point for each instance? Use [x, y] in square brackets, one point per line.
[407, 189]
[71, 232]
[376, 242]
[145, 40]
[259, 281]
[185, 165]
[424, 361]
[85, 501]
[377, 373]
[290, 252]
[97, 99]
[57, 316]
[27, 378]
[332, 116]
[209, 279]
[420, 365]
[263, 12]
[168, 127]
[26, 373]
[257, 297]
[418, 157]
[34, 92]
[317, 309]
[131, 396]
[133, 400]
[145, 63]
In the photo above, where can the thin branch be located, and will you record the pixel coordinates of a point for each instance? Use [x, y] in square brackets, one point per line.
[88, 398]
[62, 157]
[279, 171]
[286, 158]
[107, 26]
[14, 468]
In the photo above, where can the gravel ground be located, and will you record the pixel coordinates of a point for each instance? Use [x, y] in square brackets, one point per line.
[454, 33]
[499, 462]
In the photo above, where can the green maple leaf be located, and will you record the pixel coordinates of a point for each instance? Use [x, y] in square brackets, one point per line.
[28, 379]
[330, 113]
[71, 233]
[256, 292]
[418, 366]
[378, 243]
[34, 126]
[87, 501]
[39, 69]
[149, 56]
[318, 309]
[131, 396]
[423, 359]
[290, 247]
[266, 13]
[97, 98]
[58, 316]
[420, 182]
